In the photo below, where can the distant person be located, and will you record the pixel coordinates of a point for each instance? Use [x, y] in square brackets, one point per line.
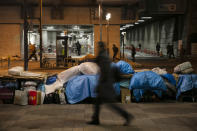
[168, 49]
[158, 48]
[171, 51]
[32, 50]
[133, 52]
[140, 46]
[115, 51]
[105, 91]
[49, 48]
[78, 45]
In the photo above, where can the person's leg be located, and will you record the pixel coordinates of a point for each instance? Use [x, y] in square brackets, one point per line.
[128, 117]
[95, 116]
[30, 56]
[35, 57]
[114, 57]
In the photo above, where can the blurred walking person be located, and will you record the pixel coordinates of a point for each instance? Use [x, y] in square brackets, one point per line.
[105, 90]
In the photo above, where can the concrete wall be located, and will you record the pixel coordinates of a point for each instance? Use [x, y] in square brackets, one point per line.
[148, 35]
[72, 15]
[10, 39]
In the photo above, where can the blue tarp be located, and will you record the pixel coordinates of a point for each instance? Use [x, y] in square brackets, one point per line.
[125, 68]
[83, 86]
[148, 80]
[186, 83]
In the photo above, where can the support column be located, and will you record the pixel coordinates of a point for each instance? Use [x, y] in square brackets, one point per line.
[25, 37]
[40, 29]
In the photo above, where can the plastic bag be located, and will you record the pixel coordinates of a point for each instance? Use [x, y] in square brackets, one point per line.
[61, 96]
[51, 88]
[89, 68]
[159, 71]
[67, 74]
[16, 70]
[21, 97]
[183, 66]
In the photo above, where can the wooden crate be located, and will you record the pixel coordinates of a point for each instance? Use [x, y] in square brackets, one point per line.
[125, 95]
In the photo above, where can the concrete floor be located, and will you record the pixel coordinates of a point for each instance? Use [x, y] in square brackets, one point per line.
[147, 116]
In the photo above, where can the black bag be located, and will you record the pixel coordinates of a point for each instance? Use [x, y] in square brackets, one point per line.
[52, 98]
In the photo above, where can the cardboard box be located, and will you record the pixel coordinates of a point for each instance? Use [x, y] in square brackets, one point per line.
[125, 95]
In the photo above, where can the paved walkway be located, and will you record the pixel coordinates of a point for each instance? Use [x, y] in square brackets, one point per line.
[147, 117]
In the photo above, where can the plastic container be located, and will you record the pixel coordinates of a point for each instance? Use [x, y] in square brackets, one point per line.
[32, 97]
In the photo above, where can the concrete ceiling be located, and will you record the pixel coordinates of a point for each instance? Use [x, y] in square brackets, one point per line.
[71, 2]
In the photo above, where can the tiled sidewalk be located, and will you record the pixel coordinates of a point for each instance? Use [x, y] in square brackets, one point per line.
[147, 116]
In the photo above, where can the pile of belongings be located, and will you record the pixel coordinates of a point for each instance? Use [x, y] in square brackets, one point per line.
[7, 88]
[80, 81]
[187, 82]
[29, 93]
[151, 84]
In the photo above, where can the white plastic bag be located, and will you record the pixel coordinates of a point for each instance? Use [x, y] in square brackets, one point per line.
[187, 71]
[183, 66]
[51, 88]
[67, 74]
[159, 71]
[16, 70]
[21, 97]
[89, 68]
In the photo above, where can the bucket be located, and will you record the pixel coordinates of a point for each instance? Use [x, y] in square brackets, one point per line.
[32, 97]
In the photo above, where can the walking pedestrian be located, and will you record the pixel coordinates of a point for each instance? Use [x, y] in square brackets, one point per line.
[158, 48]
[78, 45]
[133, 52]
[115, 51]
[32, 50]
[105, 90]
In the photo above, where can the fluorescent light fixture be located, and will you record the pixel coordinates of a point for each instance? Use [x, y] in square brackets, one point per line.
[136, 23]
[76, 27]
[140, 20]
[123, 33]
[108, 16]
[122, 28]
[146, 18]
[50, 27]
[129, 25]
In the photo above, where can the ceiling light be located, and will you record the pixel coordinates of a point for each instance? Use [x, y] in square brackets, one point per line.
[122, 28]
[50, 27]
[140, 20]
[146, 18]
[129, 25]
[136, 23]
[108, 16]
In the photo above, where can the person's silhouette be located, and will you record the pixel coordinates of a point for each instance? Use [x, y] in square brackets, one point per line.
[105, 90]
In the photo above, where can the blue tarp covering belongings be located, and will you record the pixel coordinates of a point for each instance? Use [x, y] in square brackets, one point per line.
[186, 83]
[83, 86]
[125, 68]
[147, 80]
